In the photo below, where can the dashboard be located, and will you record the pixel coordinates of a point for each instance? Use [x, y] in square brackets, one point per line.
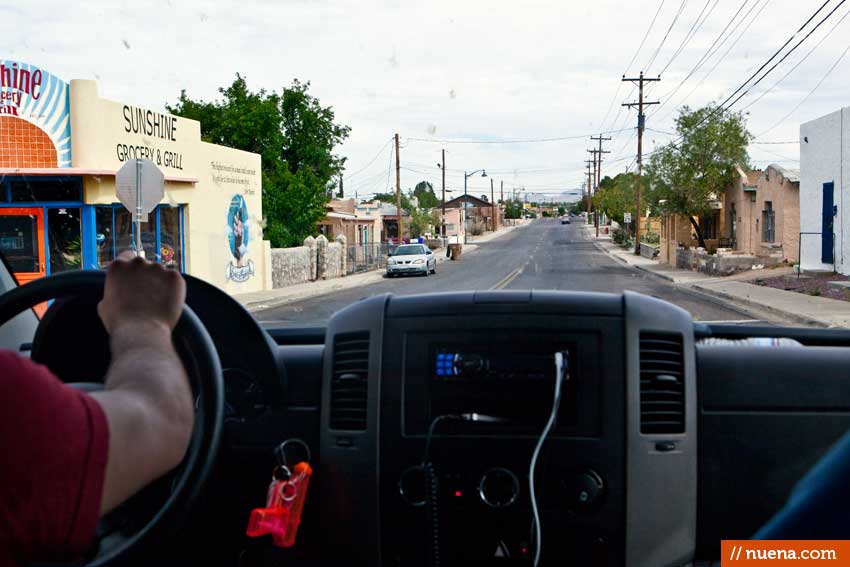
[669, 436]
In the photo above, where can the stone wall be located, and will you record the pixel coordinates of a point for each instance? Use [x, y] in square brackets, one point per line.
[317, 259]
[290, 266]
[722, 264]
[648, 251]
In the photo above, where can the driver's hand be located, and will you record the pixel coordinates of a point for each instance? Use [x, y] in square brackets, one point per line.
[141, 294]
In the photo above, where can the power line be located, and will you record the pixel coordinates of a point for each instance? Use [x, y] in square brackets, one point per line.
[722, 107]
[702, 60]
[800, 62]
[775, 143]
[695, 27]
[778, 51]
[646, 35]
[811, 92]
[664, 39]
[726, 53]
[530, 141]
[371, 161]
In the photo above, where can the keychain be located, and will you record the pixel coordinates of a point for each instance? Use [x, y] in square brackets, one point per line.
[284, 499]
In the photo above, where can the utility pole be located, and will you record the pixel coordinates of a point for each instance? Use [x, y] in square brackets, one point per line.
[589, 184]
[443, 167]
[641, 124]
[398, 189]
[599, 173]
[492, 207]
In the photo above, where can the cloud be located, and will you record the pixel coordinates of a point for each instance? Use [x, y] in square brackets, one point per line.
[475, 69]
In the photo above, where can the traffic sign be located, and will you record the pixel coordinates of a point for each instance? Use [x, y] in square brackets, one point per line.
[139, 185]
[627, 218]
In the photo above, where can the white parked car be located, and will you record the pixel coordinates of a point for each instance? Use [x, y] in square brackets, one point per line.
[411, 259]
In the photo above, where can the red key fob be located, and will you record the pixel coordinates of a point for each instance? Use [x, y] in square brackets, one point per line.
[294, 496]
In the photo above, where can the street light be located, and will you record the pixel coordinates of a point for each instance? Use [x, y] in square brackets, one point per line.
[465, 202]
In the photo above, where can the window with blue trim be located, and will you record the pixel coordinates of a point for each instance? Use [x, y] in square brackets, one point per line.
[162, 235]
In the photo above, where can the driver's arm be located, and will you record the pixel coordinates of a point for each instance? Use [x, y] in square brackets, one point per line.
[147, 399]
[67, 456]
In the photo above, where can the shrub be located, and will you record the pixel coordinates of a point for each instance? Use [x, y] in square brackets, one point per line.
[652, 238]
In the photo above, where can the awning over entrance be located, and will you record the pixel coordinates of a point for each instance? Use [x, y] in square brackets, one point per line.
[76, 171]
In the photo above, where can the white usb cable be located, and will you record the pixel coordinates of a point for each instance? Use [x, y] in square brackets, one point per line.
[561, 375]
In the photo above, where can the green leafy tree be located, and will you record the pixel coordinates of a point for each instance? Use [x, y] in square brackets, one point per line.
[513, 209]
[295, 136]
[561, 210]
[617, 196]
[424, 191]
[390, 198]
[421, 222]
[685, 178]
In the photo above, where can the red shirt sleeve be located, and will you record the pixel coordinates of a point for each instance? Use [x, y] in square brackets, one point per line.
[54, 442]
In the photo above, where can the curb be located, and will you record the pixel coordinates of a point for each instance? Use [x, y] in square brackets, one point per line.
[797, 318]
[378, 276]
[740, 302]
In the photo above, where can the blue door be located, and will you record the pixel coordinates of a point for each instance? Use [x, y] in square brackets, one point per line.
[826, 224]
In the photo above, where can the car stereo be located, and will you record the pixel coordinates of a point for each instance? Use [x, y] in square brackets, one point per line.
[510, 383]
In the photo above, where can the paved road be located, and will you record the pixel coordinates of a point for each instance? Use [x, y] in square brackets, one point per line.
[542, 255]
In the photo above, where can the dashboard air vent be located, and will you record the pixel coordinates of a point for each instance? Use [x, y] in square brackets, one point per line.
[662, 383]
[349, 381]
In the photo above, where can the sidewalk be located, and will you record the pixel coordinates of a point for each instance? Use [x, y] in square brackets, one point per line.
[797, 307]
[493, 235]
[260, 300]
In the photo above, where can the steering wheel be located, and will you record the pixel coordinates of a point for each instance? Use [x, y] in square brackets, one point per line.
[200, 358]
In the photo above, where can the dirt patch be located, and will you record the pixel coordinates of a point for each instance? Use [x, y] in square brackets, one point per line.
[815, 285]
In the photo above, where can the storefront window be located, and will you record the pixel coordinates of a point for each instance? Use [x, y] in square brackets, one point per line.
[170, 237]
[114, 227]
[32, 190]
[19, 242]
[63, 238]
[104, 236]
[125, 239]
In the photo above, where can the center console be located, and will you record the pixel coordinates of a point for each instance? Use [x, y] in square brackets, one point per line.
[433, 406]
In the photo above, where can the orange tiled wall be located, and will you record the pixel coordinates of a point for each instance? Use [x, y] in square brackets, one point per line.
[23, 144]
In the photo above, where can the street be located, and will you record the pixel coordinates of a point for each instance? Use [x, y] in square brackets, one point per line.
[542, 255]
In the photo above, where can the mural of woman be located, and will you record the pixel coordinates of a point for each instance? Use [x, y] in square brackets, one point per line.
[238, 234]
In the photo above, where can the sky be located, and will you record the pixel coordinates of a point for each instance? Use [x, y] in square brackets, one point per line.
[440, 73]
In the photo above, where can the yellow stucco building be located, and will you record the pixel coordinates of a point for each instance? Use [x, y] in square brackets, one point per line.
[60, 148]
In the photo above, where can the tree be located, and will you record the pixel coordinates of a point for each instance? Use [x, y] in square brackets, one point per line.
[685, 178]
[295, 136]
[391, 199]
[617, 196]
[513, 209]
[422, 221]
[424, 191]
[561, 210]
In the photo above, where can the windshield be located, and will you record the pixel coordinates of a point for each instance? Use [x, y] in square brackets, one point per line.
[409, 250]
[679, 153]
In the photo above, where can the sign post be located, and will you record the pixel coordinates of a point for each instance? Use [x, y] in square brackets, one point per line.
[139, 186]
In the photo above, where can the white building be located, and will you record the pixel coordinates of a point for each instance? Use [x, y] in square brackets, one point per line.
[824, 184]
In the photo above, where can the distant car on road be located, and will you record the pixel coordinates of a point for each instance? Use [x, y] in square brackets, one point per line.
[565, 220]
[411, 259]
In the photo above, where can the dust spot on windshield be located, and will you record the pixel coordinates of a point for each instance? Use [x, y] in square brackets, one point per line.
[126, 43]
[432, 129]
[452, 94]
[393, 61]
[203, 17]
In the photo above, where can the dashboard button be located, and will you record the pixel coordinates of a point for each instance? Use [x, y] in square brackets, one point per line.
[583, 491]
[412, 486]
[498, 488]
